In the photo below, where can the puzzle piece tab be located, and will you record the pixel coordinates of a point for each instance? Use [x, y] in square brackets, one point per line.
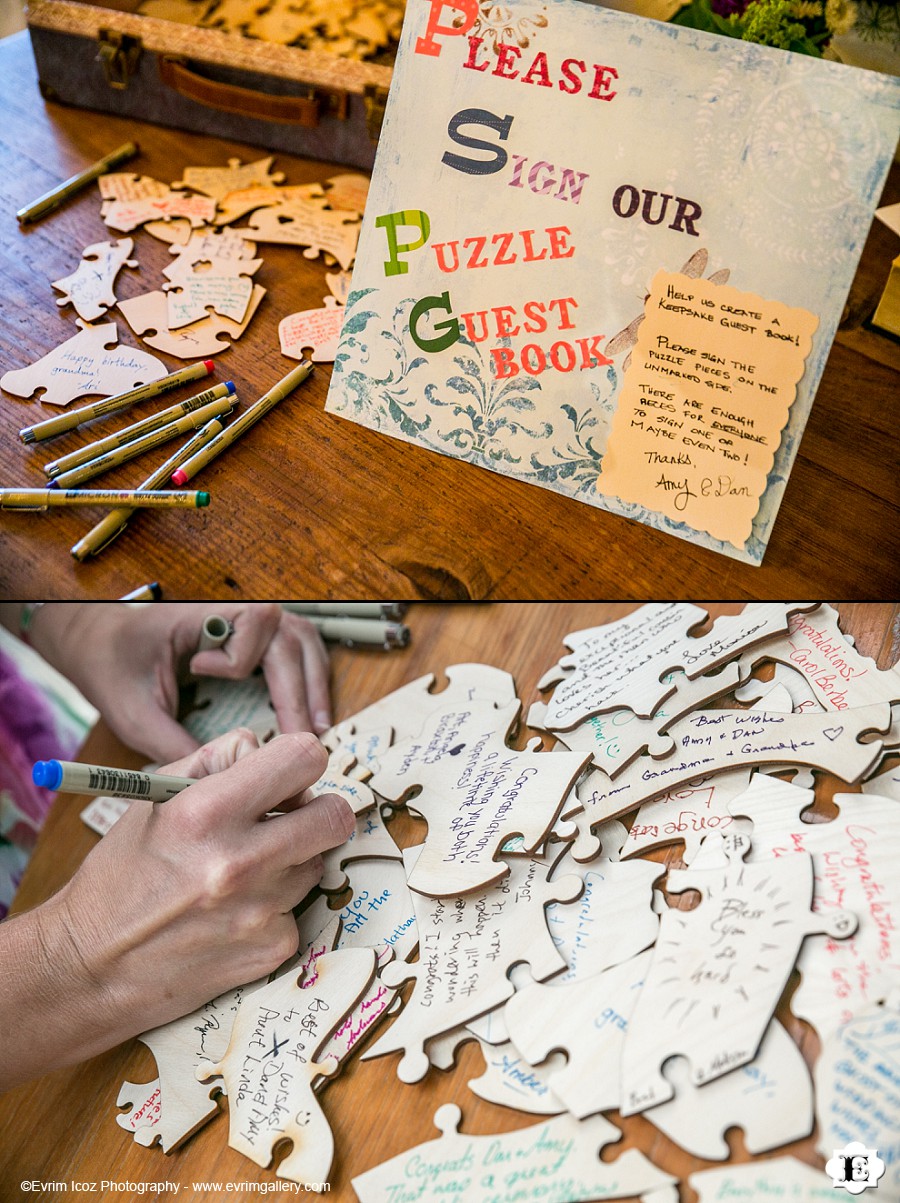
[90, 287]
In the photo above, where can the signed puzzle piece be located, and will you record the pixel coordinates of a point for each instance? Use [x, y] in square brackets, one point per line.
[855, 858]
[312, 329]
[148, 316]
[88, 364]
[719, 969]
[303, 223]
[370, 839]
[780, 1178]
[90, 287]
[207, 293]
[207, 243]
[466, 946]
[509, 1081]
[621, 664]
[558, 1159]
[476, 792]
[858, 1089]
[349, 190]
[339, 285]
[886, 784]
[127, 215]
[219, 181]
[142, 1100]
[127, 186]
[712, 740]
[770, 1098]
[219, 705]
[615, 738]
[587, 1018]
[270, 1063]
[339, 778]
[192, 265]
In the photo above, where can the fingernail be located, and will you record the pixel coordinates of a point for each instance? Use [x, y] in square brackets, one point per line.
[321, 720]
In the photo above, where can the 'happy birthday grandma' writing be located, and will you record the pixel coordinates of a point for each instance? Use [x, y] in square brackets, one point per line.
[539, 316]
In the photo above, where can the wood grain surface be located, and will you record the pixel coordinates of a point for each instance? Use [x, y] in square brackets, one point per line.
[309, 504]
[62, 1128]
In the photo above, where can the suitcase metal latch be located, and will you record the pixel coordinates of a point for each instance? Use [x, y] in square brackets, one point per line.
[119, 55]
[374, 99]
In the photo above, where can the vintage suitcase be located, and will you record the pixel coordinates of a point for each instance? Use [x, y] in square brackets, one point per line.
[109, 56]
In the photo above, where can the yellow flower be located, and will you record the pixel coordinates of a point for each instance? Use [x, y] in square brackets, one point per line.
[803, 9]
[840, 15]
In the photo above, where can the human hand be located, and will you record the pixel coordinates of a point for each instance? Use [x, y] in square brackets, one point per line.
[179, 902]
[126, 660]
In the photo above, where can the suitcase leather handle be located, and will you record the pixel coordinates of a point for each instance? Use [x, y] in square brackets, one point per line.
[290, 110]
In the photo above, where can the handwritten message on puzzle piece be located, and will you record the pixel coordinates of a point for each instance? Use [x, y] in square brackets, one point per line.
[703, 403]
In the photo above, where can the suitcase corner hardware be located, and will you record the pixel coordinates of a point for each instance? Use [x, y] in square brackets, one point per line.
[118, 55]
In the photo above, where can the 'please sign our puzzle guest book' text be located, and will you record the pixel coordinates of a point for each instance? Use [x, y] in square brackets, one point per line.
[608, 256]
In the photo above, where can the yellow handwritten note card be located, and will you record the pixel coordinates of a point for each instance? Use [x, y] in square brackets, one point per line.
[703, 403]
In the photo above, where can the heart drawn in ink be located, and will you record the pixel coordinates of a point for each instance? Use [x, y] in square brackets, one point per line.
[833, 732]
[456, 751]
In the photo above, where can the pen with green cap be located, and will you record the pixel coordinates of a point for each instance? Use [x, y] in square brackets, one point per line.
[41, 499]
[113, 523]
[57, 196]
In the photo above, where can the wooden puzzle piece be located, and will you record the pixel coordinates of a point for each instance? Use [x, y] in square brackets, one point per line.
[858, 1089]
[338, 778]
[886, 784]
[837, 674]
[713, 740]
[127, 186]
[314, 329]
[366, 745]
[185, 12]
[621, 664]
[229, 15]
[718, 970]
[476, 792]
[90, 287]
[280, 22]
[509, 1081]
[176, 231]
[770, 1098]
[382, 909]
[339, 285]
[405, 710]
[855, 858]
[237, 204]
[101, 813]
[90, 363]
[220, 705]
[219, 181]
[349, 190]
[192, 299]
[466, 946]
[615, 738]
[558, 1158]
[223, 250]
[270, 1063]
[611, 922]
[370, 839]
[802, 697]
[779, 1178]
[126, 215]
[148, 317]
[144, 1110]
[301, 223]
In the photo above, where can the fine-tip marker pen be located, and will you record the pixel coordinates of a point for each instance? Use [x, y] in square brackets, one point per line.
[40, 499]
[147, 442]
[351, 631]
[112, 405]
[75, 778]
[61, 192]
[112, 524]
[235, 429]
[215, 633]
[389, 611]
[150, 592]
[129, 433]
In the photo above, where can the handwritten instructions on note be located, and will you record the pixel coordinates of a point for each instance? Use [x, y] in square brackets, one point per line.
[704, 402]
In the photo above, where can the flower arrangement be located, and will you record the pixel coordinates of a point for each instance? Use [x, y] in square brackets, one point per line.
[805, 26]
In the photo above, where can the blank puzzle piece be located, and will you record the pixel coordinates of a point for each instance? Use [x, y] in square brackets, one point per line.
[712, 740]
[855, 858]
[466, 947]
[476, 792]
[719, 969]
[302, 223]
[90, 287]
[270, 1063]
[621, 664]
[148, 316]
[314, 329]
[90, 363]
[559, 1155]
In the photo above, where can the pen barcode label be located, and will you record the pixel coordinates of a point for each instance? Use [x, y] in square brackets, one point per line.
[135, 785]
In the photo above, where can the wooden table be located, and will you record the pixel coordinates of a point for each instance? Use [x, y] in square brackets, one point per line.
[63, 1127]
[311, 505]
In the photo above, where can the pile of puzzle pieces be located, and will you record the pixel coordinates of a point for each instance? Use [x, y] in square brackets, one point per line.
[530, 919]
[209, 293]
[348, 28]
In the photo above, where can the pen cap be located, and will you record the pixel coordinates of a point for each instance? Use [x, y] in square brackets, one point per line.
[47, 773]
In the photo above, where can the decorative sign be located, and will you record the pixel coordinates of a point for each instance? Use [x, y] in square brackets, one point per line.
[528, 194]
[703, 404]
[476, 792]
[554, 1162]
[718, 970]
